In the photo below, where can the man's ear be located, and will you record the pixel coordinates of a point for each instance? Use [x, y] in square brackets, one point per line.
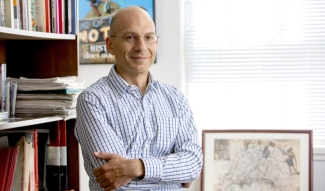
[109, 45]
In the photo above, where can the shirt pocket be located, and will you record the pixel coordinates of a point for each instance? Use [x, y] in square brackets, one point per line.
[166, 131]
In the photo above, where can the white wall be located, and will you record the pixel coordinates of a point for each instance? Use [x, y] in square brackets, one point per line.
[170, 69]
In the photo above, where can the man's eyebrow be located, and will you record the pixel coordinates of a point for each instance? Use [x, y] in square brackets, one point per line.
[134, 33]
[129, 32]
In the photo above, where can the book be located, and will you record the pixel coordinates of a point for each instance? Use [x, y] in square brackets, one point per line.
[63, 155]
[7, 99]
[24, 15]
[43, 135]
[3, 74]
[40, 15]
[16, 21]
[53, 180]
[59, 16]
[9, 13]
[67, 3]
[22, 172]
[36, 164]
[8, 161]
[13, 96]
[32, 16]
[48, 15]
[27, 161]
[73, 17]
[53, 7]
[2, 14]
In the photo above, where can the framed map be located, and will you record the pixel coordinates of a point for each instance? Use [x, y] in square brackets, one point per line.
[255, 160]
[94, 26]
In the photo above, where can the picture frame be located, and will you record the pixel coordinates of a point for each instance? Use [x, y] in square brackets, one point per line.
[257, 160]
[94, 17]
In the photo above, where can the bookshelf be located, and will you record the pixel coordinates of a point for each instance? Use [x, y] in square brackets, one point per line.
[42, 55]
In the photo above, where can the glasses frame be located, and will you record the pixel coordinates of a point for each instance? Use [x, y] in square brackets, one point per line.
[138, 36]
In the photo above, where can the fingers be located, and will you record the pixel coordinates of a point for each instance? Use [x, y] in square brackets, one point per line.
[104, 156]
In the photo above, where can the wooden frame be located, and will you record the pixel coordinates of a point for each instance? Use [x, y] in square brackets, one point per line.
[257, 160]
[94, 27]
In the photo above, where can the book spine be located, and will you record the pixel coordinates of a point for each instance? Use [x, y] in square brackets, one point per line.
[40, 15]
[42, 135]
[13, 97]
[65, 16]
[28, 163]
[8, 164]
[63, 155]
[7, 98]
[73, 17]
[48, 15]
[32, 15]
[31, 169]
[36, 167]
[59, 16]
[15, 13]
[26, 14]
[2, 14]
[9, 13]
[53, 16]
[53, 181]
[3, 74]
[21, 12]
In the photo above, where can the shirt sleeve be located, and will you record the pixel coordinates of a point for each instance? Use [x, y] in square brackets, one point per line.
[184, 164]
[93, 131]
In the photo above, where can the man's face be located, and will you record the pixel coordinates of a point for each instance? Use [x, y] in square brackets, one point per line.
[133, 58]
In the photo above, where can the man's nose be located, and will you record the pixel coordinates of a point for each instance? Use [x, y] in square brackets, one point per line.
[141, 44]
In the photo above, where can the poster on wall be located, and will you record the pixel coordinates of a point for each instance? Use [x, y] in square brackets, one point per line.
[94, 26]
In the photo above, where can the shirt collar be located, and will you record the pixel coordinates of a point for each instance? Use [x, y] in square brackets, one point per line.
[120, 85]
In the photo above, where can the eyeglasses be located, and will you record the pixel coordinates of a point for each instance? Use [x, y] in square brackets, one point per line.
[150, 39]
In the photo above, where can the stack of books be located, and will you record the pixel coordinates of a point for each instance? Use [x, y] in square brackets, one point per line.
[47, 96]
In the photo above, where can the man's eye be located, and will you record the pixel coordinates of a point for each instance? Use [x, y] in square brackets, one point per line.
[130, 37]
[149, 37]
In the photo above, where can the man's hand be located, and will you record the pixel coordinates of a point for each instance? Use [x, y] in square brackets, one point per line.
[118, 171]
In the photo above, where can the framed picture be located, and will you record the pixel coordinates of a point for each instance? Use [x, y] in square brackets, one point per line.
[238, 160]
[94, 26]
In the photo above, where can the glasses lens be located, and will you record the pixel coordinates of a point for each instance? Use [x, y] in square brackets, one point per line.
[150, 38]
[135, 38]
[131, 38]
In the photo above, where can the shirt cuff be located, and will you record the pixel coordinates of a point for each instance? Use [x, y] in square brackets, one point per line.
[153, 169]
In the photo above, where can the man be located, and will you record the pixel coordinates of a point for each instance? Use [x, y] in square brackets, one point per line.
[135, 132]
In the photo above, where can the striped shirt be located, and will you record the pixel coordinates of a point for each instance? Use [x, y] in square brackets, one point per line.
[157, 127]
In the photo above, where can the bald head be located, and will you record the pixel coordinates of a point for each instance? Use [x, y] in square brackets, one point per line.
[126, 15]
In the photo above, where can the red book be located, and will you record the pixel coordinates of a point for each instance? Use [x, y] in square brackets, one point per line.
[59, 16]
[36, 158]
[8, 161]
[48, 15]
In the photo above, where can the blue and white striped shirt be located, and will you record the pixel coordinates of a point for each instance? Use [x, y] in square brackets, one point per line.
[157, 127]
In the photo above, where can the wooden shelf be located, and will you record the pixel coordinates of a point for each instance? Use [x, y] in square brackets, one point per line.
[16, 34]
[23, 120]
[42, 55]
